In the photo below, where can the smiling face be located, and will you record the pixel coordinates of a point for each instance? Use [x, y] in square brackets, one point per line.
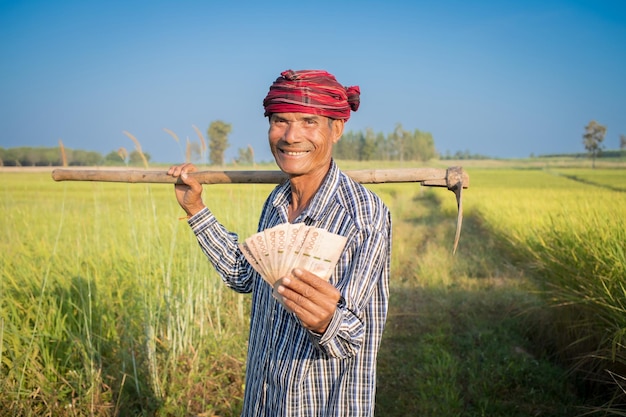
[302, 143]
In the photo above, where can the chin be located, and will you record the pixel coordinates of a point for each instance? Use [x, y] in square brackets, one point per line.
[291, 170]
[290, 165]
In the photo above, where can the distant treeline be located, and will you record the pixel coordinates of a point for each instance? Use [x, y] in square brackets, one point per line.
[464, 155]
[399, 145]
[602, 154]
[352, 146]
[40, 156]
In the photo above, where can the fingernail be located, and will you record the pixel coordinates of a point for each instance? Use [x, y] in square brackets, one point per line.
[184, 175]
[297, 271]
[286, 280]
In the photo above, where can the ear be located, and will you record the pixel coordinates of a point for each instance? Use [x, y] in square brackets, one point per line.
[337, 129]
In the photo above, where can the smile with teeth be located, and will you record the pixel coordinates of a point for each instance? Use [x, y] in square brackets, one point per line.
[294, 153]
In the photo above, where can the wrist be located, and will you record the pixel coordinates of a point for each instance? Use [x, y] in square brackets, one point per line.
[192, 211]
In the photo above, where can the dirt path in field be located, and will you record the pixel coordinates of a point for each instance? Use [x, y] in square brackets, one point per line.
[462, 344]
[619, 188]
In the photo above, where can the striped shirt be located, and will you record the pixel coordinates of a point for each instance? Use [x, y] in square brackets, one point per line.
[290, 370]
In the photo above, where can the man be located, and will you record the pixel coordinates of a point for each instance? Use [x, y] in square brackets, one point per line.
[314, 355]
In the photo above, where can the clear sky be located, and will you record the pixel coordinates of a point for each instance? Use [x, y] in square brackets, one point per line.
[501, 78]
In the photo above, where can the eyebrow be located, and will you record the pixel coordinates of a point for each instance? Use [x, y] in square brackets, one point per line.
[304, 116]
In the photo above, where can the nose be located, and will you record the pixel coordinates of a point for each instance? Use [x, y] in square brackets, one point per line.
[291, 133]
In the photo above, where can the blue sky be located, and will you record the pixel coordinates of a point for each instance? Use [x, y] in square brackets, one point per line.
[501, 78]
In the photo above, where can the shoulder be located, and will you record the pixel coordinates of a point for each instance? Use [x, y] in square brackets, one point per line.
[277, 197]
[365, 207]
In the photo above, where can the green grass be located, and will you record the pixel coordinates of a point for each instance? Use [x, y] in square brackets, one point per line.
[459, 336]
[569, 237]
[612, 179]
[108, 307]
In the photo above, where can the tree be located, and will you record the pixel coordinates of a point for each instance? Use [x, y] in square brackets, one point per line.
[622, 142]
[428, 151]
[418, 146]
[382, 146]
[246, 156]
[218, 141]
[79, 157]
[348, 146]
[114, 158]
[592, 139]
[367, 145]
[398, 140]
[137, 158]
[399, 145]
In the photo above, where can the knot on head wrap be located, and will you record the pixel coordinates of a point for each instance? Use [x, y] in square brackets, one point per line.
[311, 91]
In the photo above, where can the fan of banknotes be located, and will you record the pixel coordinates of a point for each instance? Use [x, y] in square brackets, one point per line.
[276, 251]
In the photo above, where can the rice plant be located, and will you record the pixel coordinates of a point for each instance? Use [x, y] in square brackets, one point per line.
[571, 234]
[107, 305]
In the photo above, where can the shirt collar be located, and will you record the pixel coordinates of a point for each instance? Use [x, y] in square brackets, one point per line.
[317, 205]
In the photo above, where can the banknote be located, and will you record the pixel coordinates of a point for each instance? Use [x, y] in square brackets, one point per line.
[274, 252]
[321, 252]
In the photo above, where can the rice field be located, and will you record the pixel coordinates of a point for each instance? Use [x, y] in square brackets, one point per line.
[612, 179]
[568, 229]
[108, 307]
[105, 295]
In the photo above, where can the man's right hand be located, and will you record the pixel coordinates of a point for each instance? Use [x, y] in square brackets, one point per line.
[188, 194]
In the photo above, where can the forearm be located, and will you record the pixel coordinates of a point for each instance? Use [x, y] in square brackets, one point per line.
[220, 247]
[362, 310]
[343, 337]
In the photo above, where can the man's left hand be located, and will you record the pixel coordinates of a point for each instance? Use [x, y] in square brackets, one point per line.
[311, 298]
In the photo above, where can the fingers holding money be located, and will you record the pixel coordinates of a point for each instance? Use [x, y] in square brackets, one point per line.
[310, 254]
[311, 298]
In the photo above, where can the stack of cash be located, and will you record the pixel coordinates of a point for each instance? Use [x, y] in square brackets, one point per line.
[274, 252]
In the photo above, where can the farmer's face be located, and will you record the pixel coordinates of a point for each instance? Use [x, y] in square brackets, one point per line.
[302, 143]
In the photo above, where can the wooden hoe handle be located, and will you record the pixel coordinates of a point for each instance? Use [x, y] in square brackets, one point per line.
[453, 178]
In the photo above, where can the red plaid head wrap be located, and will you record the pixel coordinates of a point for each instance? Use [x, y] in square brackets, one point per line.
[311, 91]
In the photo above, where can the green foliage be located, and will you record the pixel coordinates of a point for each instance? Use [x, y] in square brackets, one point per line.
[108, 307]
[39, 156]
[570, 235]
[114, 158]
[457, 339]
[400, 145]
[463, 155]
[135, 158]
[593, 138]
[611, 179]
[246, 156]
[218, 141]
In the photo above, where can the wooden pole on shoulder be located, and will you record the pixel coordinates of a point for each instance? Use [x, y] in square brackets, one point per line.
[453, 178]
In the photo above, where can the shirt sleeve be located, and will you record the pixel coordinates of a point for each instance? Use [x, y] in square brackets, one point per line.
[363, 308]
[221, 247]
